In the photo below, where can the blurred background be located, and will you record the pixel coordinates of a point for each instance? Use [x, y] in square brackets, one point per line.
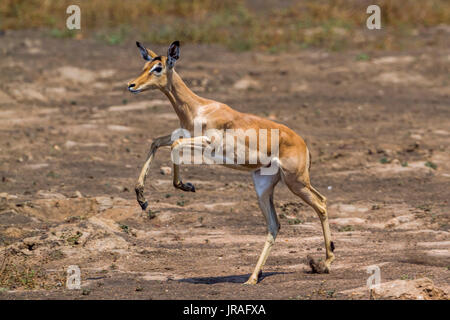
[239, 24]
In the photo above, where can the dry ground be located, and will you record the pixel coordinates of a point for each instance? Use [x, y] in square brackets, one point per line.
[72, 141]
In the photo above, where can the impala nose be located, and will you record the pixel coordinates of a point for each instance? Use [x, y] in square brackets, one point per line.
[130, 87]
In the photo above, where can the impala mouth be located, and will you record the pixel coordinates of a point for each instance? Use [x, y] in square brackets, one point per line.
[134, 90]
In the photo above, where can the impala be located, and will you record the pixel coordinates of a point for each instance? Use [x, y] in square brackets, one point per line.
[292, 159]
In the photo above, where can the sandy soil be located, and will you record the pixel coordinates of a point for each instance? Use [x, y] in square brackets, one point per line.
[73, 140]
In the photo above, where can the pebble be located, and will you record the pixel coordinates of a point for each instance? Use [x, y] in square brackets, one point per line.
[166, 171]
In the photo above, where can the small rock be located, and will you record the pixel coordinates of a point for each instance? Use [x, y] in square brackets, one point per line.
[246, 84]
[104, 203]
[37, 166]
[50, 195]
[165, 170]
[78, 194]
[412, 147]
[347, 221]
[13, 232]
[7, 196]
[300, 87]
[70, 144]
[119, 128]
[418, 289]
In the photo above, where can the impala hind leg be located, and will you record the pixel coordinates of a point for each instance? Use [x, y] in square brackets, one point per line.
[139, 188]
[264, 186]
[319, 203]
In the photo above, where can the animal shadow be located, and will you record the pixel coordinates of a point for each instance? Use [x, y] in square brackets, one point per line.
[230, 279]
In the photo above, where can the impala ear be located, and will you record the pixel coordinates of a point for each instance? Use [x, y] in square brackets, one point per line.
[145, 53]
[173, 54]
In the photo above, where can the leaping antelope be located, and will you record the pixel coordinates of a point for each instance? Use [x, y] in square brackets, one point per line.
[293, 161]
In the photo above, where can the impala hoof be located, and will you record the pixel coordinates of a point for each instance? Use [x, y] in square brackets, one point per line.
[251, 281]
[144, 205]
[190, 187]
[318, 267]
[185, 186]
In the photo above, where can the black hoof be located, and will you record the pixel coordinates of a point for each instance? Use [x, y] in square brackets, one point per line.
[185, 186]
[317, 267]
[144, 205]
[190, 187]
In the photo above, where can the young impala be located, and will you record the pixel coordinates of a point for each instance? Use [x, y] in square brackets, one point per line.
[292, 160]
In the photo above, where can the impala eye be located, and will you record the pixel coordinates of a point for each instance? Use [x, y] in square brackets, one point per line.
[157, 69]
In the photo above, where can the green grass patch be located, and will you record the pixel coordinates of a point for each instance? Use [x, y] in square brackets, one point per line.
[74, 239]
[124, 228]
[62, 33]
[294, 221]
[362, 57]
[346, 229]
[431, 165]
[181, 203]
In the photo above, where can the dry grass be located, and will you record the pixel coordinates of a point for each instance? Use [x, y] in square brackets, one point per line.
[17, 273]
[101, 13]
[14, 275]
[331, 24]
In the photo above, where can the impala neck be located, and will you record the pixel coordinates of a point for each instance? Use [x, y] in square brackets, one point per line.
[184, 101]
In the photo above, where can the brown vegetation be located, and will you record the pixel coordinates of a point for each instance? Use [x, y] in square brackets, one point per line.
[240, 25]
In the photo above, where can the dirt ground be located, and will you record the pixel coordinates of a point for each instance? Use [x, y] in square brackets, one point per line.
[73, 140]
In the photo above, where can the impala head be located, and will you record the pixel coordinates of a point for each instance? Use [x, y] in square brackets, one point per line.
[157, 69]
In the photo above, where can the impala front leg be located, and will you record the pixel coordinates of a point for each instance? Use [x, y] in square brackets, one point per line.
[139, 188]
[177, 147]
[177, 183]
